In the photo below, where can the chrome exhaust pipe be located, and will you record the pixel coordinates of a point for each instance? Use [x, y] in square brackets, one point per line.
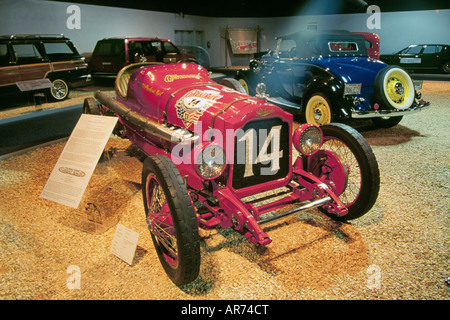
[307, 206]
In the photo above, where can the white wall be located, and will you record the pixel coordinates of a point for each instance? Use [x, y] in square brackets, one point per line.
[398, 29]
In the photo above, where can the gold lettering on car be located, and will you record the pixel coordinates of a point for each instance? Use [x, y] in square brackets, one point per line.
[173, 77]
[156, 92]
[264, 112]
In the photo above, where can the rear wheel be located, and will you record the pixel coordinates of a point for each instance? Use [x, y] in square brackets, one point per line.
[446, 67]
[386, 122]
[171, 219]
[354, 173]
[59, 91]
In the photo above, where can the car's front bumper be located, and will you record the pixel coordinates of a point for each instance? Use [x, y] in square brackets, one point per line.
[356, 114]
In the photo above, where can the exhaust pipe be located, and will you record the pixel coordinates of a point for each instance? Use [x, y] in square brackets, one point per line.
[169, 133]
[307, 206]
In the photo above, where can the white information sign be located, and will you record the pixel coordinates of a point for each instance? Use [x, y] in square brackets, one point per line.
[124, 243]
[77, 162]
[410, 60]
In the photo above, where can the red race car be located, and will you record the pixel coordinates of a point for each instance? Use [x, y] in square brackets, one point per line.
[213, 153]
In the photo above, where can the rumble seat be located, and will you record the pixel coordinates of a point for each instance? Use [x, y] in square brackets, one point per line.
[124, 75]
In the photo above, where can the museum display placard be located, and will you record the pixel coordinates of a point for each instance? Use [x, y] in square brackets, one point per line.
[124, 243]
[74, 168]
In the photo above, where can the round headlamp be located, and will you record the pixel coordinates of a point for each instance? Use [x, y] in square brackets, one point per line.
[211, 161]
[307, 138]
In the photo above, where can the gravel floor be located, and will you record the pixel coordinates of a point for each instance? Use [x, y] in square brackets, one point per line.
[399, 250]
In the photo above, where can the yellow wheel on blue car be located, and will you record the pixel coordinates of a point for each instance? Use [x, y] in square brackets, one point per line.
[318, 110]
[244, 85]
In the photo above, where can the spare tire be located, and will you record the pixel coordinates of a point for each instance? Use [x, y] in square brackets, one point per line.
[394, 88]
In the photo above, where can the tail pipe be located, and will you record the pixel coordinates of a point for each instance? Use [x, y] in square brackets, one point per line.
[163, 131]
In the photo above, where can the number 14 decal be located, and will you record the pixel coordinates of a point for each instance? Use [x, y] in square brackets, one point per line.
[250, 139]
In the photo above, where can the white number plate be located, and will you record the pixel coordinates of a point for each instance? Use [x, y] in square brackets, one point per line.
[352, 88]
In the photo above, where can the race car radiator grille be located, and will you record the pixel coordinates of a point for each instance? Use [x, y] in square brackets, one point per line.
[261, 152]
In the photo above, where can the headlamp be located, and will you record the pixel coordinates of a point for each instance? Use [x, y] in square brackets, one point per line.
[308, 138]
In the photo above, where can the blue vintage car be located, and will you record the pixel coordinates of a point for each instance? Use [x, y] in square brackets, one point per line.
[328, 76]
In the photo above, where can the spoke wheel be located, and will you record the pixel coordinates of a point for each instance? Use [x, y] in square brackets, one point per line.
[171, 219]
[358, 169]
[60, 90]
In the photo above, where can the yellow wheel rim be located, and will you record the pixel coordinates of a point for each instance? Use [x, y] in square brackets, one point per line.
[397, 88]
[244, 85]
[318, 111]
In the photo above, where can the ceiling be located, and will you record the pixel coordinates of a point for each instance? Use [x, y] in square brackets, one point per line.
[261, 8]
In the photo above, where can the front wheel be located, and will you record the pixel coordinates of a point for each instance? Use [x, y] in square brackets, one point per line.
[318, 110]
[233, 84]
[355, 169]
[171, 219]
[90, 107]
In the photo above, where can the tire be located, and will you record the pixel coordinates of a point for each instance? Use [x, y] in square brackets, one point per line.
[246, 86]
[358, 169]
[59, 91]
[90, 106]
[233, 84]
[318, 110]
[171, 219]
[386, 122]
[446, 67]
[394, 88]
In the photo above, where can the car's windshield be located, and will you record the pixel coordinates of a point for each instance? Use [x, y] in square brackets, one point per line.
[286, 48]
[412, 50]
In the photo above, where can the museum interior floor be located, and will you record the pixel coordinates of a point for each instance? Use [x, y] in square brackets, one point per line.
[399, 250]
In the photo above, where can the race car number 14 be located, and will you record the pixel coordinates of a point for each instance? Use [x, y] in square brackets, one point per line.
[273, 139]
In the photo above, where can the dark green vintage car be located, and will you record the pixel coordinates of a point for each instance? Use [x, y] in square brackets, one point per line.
[421, 58]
